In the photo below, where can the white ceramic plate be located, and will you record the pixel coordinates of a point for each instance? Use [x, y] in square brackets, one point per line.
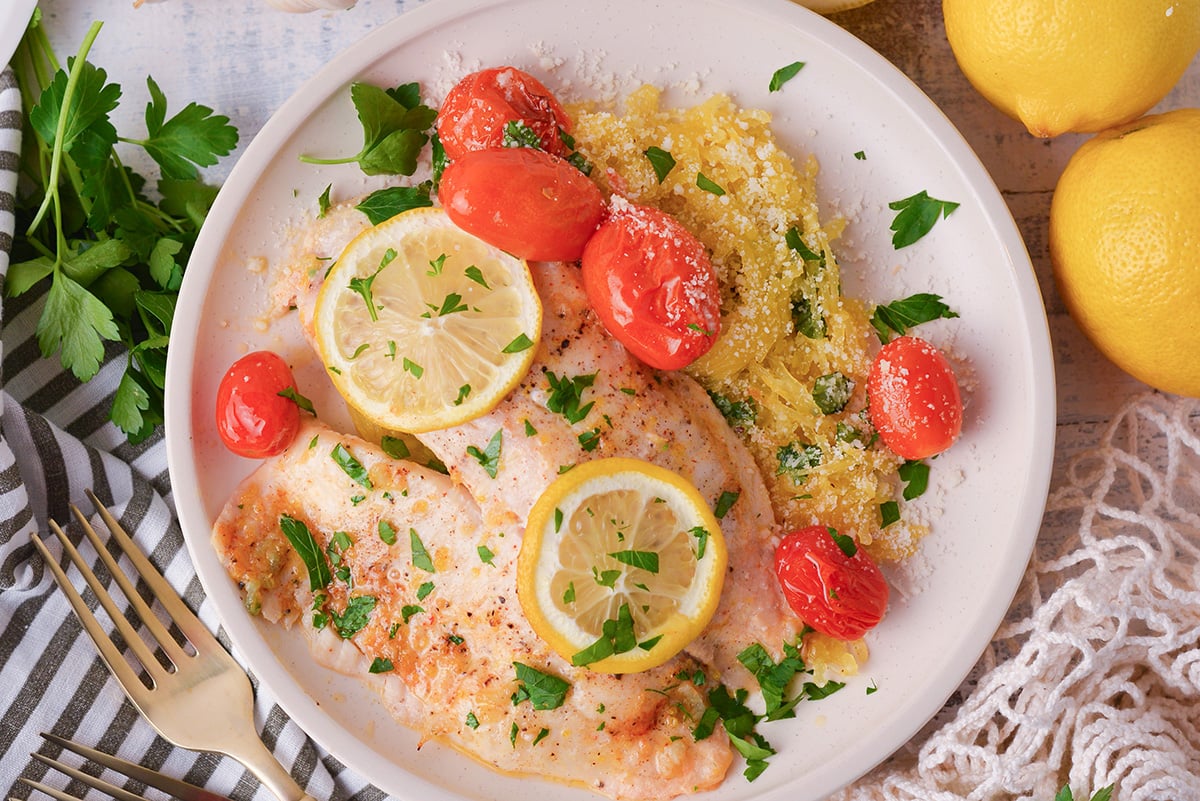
[989, 490]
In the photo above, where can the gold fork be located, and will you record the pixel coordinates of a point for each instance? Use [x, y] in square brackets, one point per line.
[198, 699]
[151, 778]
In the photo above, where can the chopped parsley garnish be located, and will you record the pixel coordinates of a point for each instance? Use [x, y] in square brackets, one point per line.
[872, 688]
[309, 550]
[783, 75]
[618, 637]
[485, 554]
[740, 412]
[605, 578]
[408, 610]
[451, 304]
[412, 367]
[472, 721]
[295, 397]
[542, 690]
[844, 542]
[475, 274]
[708, 185]
[916, 216]
[701, 534]
[860, 155]
[394, 447]
[463, 393]
[901, 315]
[380, 664]
[541, 735]
[520, 342]
[395, 125]
[424, 590]
[323, 203]
[384, 204]
[530, 431]
[387, 533]
[513, 731]
[662, 162]
[644, 560]
[724, 503]
[915, 475]
[588, 440]
[569, 594]
[831, 392]
[796, 243]
[805, 321]
[566, 395]
[889, 512]
[489, 457]
[355, 618]
[518, 134]
[796, 460]
[351, 466]
[420, 556]
[436, 266]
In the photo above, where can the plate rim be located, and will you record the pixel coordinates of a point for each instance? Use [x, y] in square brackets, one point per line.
[359, 57]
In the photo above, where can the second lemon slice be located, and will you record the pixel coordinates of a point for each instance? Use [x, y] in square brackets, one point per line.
[424, 326]
[621, 565]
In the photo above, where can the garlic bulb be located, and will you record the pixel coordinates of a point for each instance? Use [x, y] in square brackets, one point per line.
[311, 5]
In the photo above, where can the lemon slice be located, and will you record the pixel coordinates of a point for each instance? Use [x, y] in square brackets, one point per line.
[621, 565]
[423, 326]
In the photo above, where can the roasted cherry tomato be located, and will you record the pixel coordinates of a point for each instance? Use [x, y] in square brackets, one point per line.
[652, 284]
[837, 594]
[524, 201]
[253, 419]
[914, 400]
[477, 110]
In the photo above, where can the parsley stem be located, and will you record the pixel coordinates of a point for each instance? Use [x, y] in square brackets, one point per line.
[315, 160]
[56, 157]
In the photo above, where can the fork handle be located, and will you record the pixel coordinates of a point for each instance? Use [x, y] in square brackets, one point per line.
[255, 757]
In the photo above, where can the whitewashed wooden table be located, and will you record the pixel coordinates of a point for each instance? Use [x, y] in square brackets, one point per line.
[245, 59]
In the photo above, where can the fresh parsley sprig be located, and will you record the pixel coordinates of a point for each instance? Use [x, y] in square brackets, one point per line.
[395, 127]
[113, 257]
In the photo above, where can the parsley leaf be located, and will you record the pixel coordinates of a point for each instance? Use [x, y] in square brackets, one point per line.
[831, 392]
[542, 690]
[901, 315]
[395, 127]
[351, 466]
[309, 550]
[783, 75]
[644, 560]
[566, 396]
[355, 617]
[489, 457]
[662, 162]
[420, 557]
[915, 475]
[194, 137]
[384, 204]
[708, 184]
[916, 215]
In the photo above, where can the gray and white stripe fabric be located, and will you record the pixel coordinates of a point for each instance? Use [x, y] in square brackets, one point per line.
[55, 442]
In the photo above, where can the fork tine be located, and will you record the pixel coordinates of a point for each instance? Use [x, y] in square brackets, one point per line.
[152, 778]
[135, 643]
[183, 617]
[126, 677]
[157, 630]
[118, 793]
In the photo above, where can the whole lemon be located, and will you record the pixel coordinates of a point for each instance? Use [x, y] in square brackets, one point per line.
[1073, 65]
[1125, 245]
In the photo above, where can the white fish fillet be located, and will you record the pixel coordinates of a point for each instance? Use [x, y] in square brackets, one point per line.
[452, 676]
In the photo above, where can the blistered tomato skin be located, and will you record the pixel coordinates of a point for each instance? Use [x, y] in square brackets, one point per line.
[914, 400]
[651, 283]
[253, 419]
[476, 111]
[525, 202]
[838, 595]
